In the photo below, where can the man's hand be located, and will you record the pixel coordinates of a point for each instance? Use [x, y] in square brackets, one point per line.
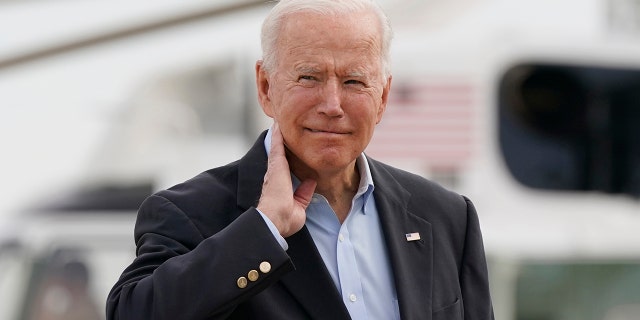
[278, 202]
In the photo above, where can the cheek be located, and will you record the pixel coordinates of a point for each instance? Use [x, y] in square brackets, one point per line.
[296, 102]
[368, 109]
[378, 108]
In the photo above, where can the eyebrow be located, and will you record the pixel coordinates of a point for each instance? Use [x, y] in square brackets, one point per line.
[307, 69]
[356, 74]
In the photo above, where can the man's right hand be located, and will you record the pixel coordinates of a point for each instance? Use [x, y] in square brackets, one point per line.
[285, 208]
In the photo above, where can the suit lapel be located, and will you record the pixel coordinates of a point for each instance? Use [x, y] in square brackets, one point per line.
[310, 282]
[412, 261]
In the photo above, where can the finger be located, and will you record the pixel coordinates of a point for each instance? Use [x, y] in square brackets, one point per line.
[304, 192]
[277, 143]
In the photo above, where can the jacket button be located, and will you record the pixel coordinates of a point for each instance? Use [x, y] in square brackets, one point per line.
[265, 267]
[253, 275]
[242, 282]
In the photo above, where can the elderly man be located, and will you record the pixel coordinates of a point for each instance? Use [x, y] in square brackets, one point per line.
[305, 225]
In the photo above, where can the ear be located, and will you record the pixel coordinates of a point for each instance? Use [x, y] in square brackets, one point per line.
[262, 83]
[385, 98]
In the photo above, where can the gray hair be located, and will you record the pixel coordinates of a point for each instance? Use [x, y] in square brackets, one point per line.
[272, 24]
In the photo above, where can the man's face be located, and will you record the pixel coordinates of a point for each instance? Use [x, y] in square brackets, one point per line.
[327, 91]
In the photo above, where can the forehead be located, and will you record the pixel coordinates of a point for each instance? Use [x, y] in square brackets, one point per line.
[312, 34]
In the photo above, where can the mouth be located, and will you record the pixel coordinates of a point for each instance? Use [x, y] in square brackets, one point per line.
[325, 131]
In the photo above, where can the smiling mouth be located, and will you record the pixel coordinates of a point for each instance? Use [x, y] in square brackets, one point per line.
[324, 131]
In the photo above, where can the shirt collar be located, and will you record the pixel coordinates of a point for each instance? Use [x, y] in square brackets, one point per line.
[366, 186]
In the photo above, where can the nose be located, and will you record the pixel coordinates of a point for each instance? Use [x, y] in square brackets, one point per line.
[331, 104]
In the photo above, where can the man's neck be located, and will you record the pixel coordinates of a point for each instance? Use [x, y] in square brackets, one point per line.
[337, 186]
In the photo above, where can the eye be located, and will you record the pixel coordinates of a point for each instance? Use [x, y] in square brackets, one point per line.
[353, 82]
[306, 78]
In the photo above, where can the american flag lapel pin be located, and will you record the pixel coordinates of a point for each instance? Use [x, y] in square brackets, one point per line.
[413, 236]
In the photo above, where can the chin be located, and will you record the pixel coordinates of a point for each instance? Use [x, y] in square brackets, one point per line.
[324, 158]
[328, 162]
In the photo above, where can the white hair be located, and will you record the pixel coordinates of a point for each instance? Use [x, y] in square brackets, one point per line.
[272, 25]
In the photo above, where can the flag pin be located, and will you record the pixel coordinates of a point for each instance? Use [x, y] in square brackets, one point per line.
[413, 236]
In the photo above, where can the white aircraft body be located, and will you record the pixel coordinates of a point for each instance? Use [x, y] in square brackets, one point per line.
[526, 107]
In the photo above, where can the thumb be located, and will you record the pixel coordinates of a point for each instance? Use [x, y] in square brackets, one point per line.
[304, 192]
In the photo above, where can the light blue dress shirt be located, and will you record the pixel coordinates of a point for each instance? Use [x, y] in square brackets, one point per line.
[354, 252]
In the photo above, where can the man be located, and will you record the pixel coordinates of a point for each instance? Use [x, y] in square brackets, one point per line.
[314, 230]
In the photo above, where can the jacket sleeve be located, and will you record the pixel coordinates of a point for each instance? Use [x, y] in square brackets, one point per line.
[179, 274]
[474, 279]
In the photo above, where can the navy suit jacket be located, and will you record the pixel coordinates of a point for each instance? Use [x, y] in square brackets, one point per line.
[196, 239]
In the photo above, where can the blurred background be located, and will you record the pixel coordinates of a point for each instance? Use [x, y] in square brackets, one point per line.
[529, 107]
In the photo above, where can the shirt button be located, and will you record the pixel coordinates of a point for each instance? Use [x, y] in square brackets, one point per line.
[353, 297]
[340, 237]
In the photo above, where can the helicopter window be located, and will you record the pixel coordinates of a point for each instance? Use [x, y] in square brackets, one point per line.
[571, 127]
